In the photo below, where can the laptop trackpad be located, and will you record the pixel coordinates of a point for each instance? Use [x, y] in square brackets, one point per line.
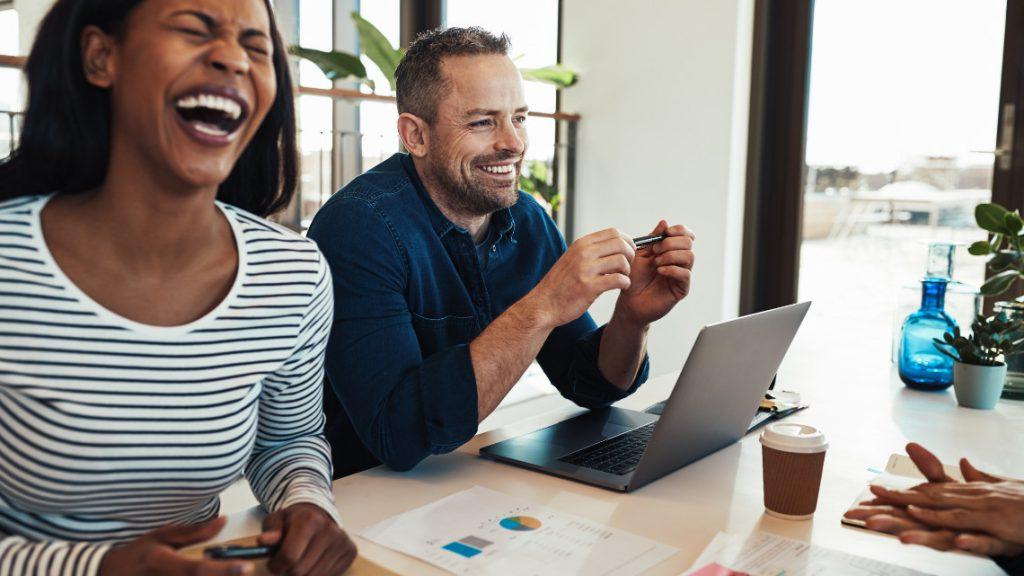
[589, 428]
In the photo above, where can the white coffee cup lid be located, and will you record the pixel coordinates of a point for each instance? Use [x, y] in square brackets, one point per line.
[793, 437]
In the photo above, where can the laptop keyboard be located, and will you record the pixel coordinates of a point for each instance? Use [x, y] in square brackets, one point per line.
[618, 455]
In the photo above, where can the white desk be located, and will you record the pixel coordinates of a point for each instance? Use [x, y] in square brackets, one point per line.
[866, 411]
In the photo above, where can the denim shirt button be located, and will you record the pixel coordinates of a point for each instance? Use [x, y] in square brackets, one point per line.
[494, 247]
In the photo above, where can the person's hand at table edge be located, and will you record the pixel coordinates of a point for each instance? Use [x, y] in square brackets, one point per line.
[156, 553]
[984, 515]
[310, 542]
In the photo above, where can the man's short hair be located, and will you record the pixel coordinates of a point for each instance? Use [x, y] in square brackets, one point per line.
[418, 79]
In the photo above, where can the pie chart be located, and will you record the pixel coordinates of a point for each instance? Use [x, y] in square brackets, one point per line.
[520, 523]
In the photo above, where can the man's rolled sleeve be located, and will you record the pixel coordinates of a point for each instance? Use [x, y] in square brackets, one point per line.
[450, 416]
[589, 386]
[569, 357]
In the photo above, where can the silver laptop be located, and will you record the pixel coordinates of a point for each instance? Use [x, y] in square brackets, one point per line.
[727, 373]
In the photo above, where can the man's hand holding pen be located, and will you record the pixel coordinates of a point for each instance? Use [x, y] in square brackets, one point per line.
[652, 278]
[659, 276]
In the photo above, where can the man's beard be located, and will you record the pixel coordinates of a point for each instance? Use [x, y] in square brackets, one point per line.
[469, 195]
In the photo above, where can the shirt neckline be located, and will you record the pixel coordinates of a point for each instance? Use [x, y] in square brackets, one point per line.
[113, 317]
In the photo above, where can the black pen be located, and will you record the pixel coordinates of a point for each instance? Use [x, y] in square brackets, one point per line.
[645, 241]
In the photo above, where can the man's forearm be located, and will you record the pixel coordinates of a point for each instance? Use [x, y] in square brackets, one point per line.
[623, 346]
[504, 350]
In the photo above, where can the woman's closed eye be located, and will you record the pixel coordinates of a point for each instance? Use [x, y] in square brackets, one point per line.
[194, 32]
[258, 50]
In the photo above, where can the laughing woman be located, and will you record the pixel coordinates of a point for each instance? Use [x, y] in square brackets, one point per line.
[157, 338]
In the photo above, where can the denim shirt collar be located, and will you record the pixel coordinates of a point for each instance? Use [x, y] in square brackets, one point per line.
[441, 224]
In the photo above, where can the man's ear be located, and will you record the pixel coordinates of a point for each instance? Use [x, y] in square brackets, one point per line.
[415, 134]
[99, 62]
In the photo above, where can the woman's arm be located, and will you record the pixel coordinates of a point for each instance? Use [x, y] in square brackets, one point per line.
[291, 461]
[155, 552]
[21, 557]
[290, 467]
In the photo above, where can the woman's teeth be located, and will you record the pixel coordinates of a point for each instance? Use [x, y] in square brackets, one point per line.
[502, 169]
[229, 107]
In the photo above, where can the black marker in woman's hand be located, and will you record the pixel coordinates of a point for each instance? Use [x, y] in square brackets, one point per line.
[235, 552]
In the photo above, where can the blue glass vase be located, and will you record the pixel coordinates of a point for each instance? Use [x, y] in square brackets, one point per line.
[921, 366]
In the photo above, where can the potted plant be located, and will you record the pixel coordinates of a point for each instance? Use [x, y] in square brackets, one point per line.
[978, 371]
[1006, 248]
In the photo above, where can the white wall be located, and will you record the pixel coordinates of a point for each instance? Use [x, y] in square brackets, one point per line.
[664, 94]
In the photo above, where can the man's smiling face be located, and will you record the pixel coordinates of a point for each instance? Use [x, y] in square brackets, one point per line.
[478, 137]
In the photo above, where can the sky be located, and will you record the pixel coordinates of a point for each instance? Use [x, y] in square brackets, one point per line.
[896, 79]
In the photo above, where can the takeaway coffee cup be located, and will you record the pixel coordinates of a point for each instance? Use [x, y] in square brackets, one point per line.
[792, 459]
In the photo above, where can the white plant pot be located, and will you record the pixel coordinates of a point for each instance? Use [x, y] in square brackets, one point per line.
[978, 386]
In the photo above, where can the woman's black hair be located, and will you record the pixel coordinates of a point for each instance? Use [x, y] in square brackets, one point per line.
[65, 137]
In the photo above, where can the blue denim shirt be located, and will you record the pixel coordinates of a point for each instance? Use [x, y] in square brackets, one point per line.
[410, 294]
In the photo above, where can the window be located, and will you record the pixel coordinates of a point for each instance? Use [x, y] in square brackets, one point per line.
[316, 118]
[897, 111]
[10, 83]
[378, 120]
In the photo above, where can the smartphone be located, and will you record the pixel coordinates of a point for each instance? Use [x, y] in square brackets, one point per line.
[239, 552]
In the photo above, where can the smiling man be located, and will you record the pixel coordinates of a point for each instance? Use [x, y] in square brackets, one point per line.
[449, 282]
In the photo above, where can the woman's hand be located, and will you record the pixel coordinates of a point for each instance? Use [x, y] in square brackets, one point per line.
[984, 515]
[156, 554]
[992, 508]
[310, 542]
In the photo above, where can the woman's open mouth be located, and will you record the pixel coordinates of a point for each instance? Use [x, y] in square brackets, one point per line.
[212, 114]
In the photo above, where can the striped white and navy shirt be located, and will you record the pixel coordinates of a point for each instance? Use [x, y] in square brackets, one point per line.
[110, 428]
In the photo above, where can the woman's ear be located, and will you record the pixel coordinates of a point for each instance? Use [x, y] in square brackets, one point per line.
[99, 60]
[415, 134]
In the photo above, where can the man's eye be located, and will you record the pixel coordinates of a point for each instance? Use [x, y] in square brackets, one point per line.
[259, 50]
[520, 119]
[481, 123]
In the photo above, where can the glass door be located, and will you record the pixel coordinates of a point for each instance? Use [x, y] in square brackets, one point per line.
[902, 116]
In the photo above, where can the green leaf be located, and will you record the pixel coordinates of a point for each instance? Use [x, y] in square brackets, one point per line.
[979, 248]
[334, 65]
[991, 217]
[1013, 222]
[555, 201]
[557, 75]
[1005, 260]
[377, 48]
[999, 283]
[945, 350]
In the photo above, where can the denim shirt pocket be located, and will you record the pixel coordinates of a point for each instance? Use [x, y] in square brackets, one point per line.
[437, 334]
